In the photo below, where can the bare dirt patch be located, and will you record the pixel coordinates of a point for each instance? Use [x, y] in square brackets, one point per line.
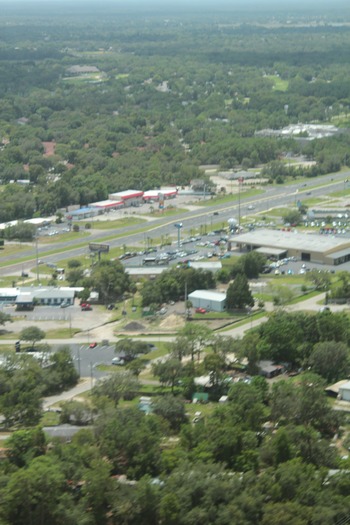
[49, 148]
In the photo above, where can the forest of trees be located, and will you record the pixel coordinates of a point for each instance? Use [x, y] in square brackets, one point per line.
[160, 104]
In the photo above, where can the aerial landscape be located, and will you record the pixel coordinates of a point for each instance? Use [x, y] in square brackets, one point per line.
[174, 263]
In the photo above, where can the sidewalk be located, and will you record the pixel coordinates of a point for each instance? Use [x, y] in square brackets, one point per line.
[84, 384]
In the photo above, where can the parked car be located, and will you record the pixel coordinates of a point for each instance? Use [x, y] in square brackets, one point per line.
[86, 307]
[64, 304]
[118, 361]
[93, 345]
[200, 310]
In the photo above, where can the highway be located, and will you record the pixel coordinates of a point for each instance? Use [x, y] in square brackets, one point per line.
[276, 195]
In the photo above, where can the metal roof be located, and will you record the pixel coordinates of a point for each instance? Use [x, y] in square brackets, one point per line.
[212, 266]
[206, 295]
[149, 270]
[106, 204]
[127, 194]
[293, 240]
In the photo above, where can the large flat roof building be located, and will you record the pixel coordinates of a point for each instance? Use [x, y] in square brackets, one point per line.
[306, 247]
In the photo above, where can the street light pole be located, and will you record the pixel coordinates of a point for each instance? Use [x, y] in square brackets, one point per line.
[178, 225]
[37, 257]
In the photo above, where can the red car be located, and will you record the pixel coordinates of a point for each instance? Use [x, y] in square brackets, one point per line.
[93, 345]
[201, 311]
[86, 307]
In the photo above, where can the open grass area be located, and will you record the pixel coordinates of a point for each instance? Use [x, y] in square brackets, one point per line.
[62, 333]
[226, 199]
[113, 225]
[167, 212]
[50, 419]
[64, 237]
[278, 83]
[277, 212]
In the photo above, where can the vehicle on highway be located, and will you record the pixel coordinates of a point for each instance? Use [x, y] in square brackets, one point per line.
[93, 345]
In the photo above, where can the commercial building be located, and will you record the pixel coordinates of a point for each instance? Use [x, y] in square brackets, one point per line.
[211, 301]
[82, 213]
[107, 205]
[128, 197]
[305, 247]
[158, 195]
[27, 296]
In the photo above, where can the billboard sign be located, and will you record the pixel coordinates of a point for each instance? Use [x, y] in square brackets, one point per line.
[100, 248]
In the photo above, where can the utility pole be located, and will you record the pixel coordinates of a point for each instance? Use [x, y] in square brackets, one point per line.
[178, 225]
[37, 257]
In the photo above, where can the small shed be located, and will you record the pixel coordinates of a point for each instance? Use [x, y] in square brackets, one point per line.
[212, 301]
[344, 391]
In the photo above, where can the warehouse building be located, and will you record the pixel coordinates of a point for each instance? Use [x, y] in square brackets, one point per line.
[211, 301]
[305, 247]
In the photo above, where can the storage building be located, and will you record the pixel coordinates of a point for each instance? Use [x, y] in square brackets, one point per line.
[212, 301]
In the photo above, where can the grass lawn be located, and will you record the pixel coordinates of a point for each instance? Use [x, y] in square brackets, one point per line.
[226, 199]
[13, 250]
[167, 212]
[65, 237]
[111, 225]
[62, 333]
[50, 419]
[278, 83]
[277, 212]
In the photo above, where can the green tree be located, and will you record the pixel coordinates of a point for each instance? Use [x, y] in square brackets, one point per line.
[61, 374]
[238, 294]
[118, 386]
[292, 217]
[321, 280]
[32, 334]
[20, 402]
[330, 360]
[34, 494]
[131, 442]
[5, 318]
[24, 445]
[197, 336]
[168, 372]
[110, 280]
[172, 409]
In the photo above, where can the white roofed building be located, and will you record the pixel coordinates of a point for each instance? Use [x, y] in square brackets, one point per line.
[211, 301]
[128, 197]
